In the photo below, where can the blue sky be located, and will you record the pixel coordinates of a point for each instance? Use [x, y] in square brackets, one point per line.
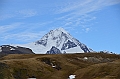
[95, 23]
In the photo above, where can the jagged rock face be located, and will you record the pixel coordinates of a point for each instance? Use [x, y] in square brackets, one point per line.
[7, 49]
[57, 39]
[68, 45]
[54, 50]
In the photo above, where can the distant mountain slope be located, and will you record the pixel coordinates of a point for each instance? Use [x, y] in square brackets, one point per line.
[7, 49]
[59, 39]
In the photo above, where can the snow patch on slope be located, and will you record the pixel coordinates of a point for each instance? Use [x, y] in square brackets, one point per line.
[74, 50]
[72, 77]
[12, 49]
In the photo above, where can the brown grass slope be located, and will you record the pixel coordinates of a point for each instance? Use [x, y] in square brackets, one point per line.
[97, 66]
[109, 70]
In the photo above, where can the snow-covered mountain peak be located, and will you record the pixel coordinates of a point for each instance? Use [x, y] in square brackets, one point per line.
[57, 36]
[56, 33]
[62, 30]
[57, 40]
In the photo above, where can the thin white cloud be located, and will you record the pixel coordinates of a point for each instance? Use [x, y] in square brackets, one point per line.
[6, 16]
[27, 13]
[24, 36]
[22, 32]
[86, 6]
[70, 22]
[73, 6]
[9, 27]
[87, 30]
[21, 14]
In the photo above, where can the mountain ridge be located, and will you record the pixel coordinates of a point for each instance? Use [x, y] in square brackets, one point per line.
[7, 49]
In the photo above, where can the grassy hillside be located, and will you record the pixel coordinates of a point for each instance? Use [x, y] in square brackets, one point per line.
[60, 66]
